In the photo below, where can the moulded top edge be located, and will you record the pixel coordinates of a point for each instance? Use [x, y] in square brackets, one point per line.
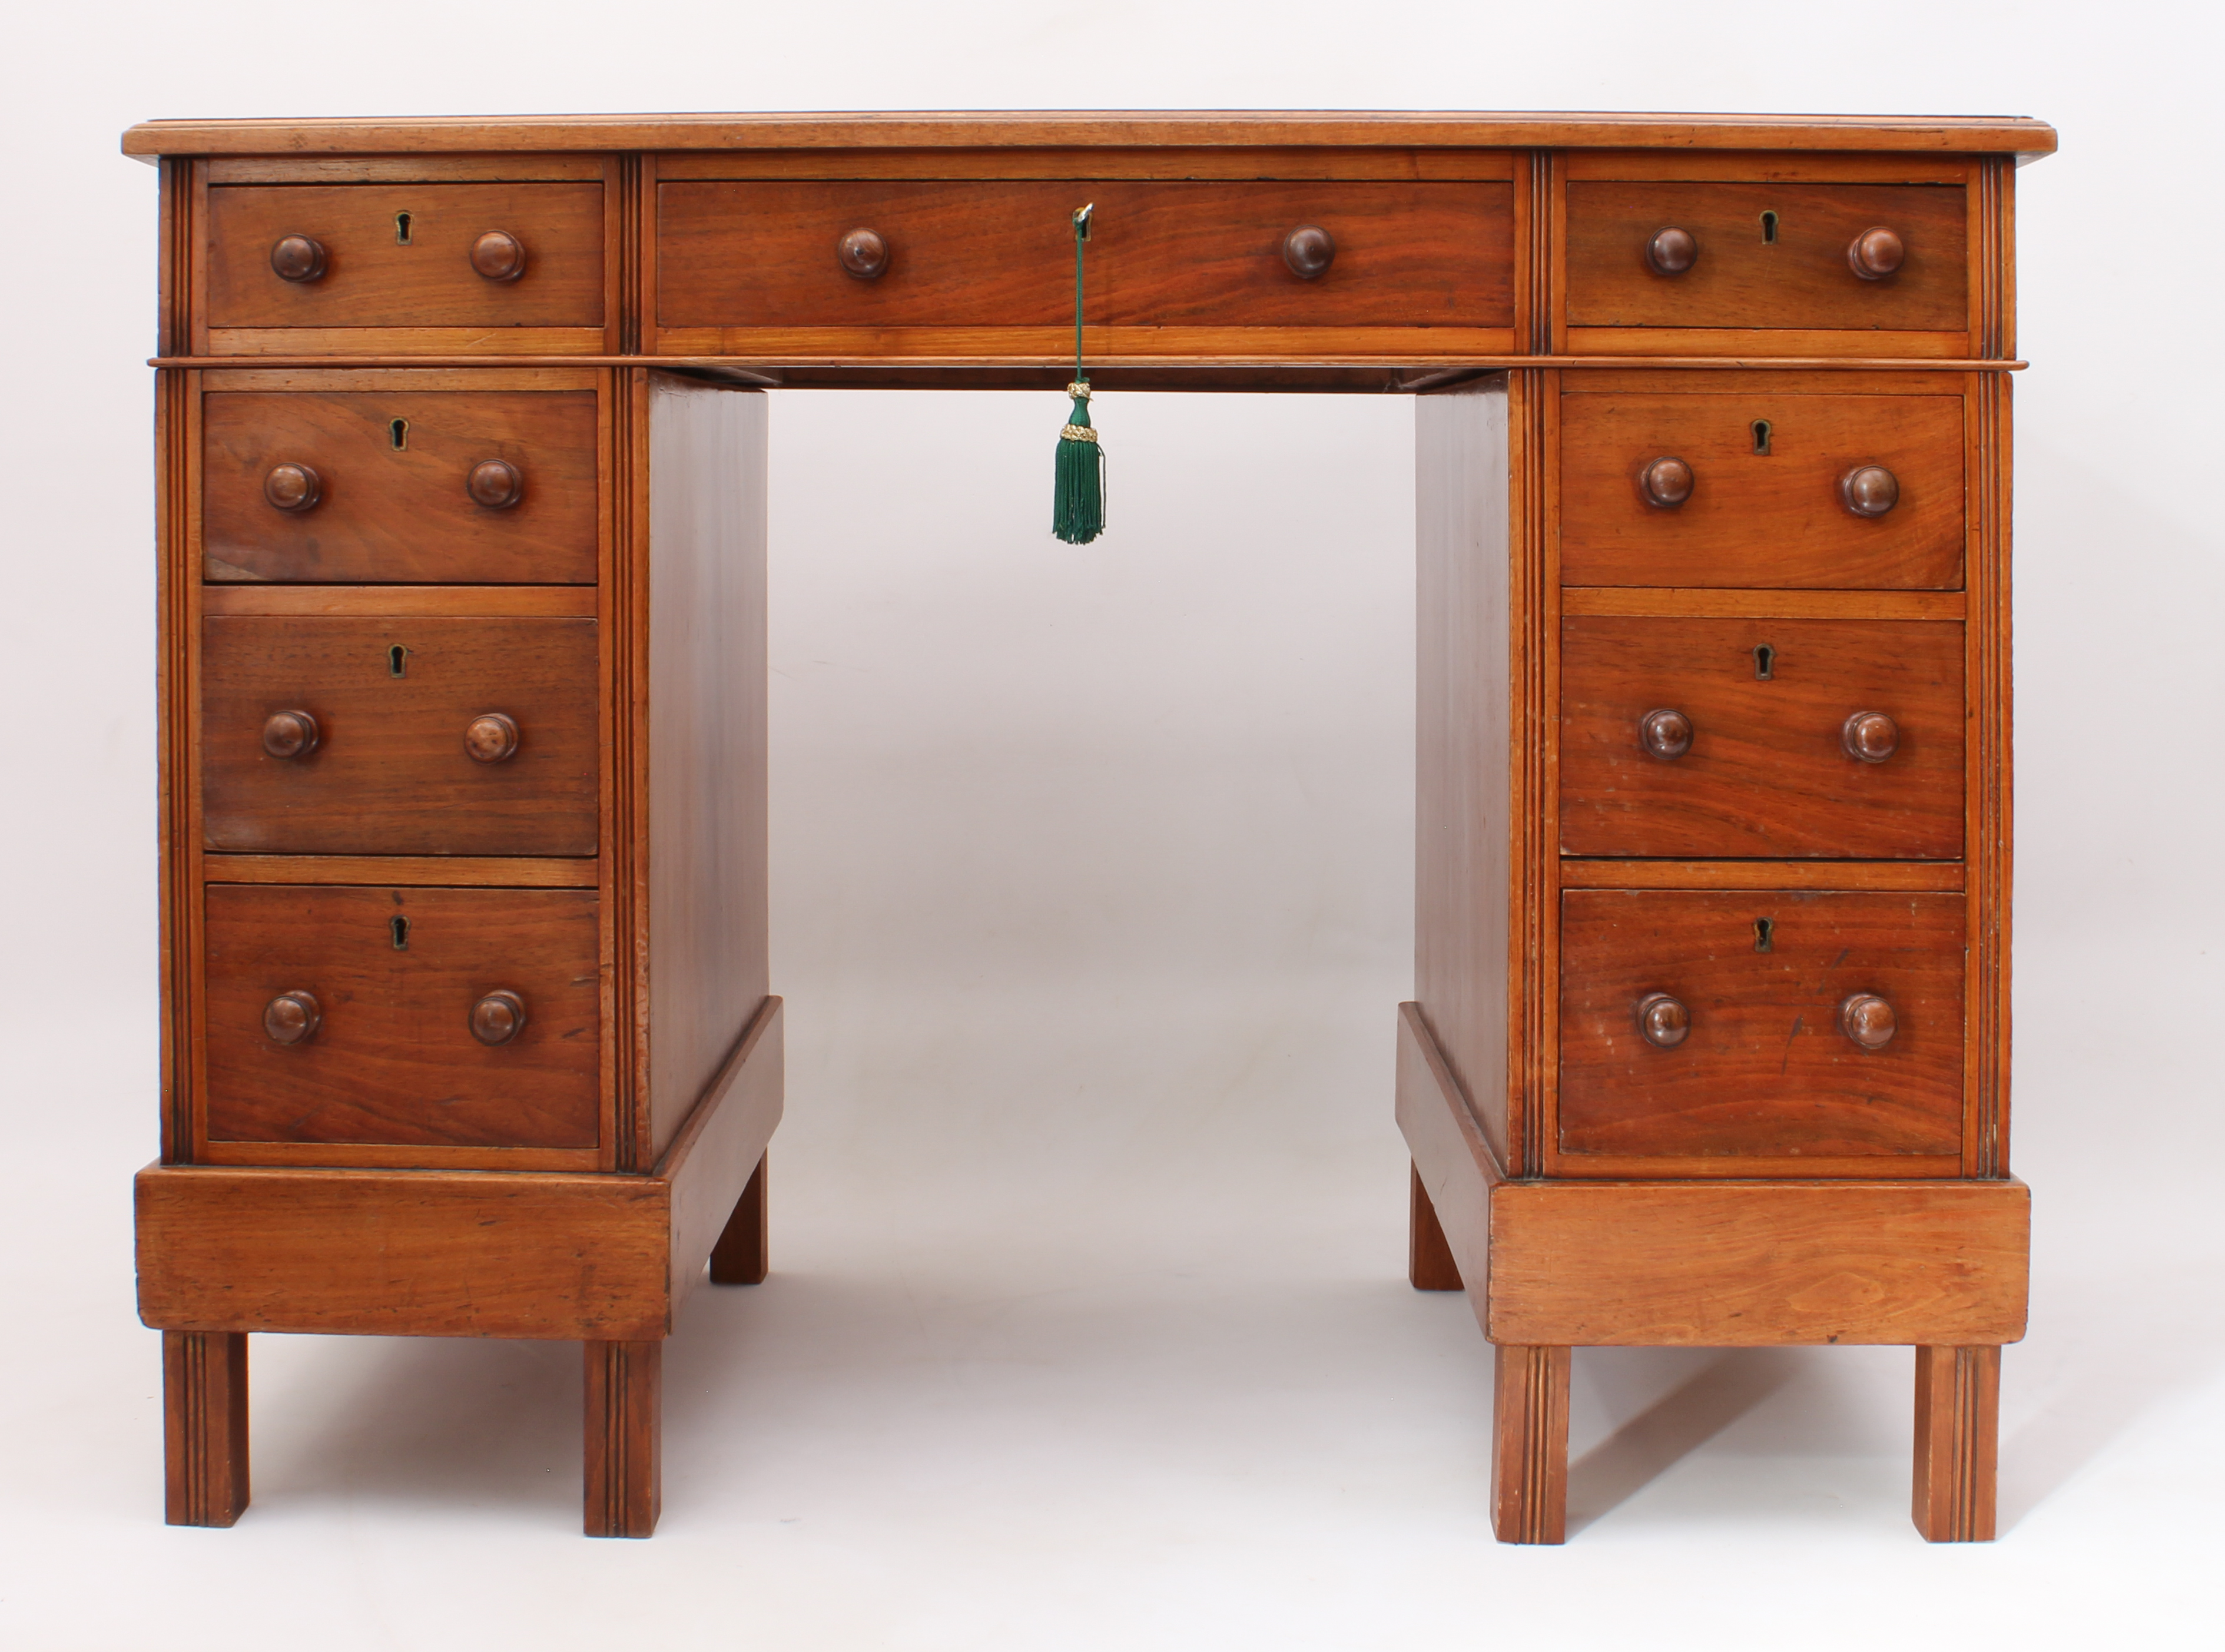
[1942, 134]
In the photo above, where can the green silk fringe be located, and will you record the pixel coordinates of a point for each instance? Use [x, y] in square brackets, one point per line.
[1077, 501]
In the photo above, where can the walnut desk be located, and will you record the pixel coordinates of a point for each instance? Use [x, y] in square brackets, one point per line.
[466, 1023]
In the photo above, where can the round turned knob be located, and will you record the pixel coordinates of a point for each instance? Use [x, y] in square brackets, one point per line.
[1666, 482]
[1663, 1020]
[498, 256]
[1870, 737]
[491, 738]
[498, 1018]
[863, 254]
[495, 482]
[297, 257]
[1309, 250]
[293, 487]
[1671, 251]
[1867, 1019]
[1876, 254]
[1666, 734]
[1869, 489]
[292, 1017]
[289, 734]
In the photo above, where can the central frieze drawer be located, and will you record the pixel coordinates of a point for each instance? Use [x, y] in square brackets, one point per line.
[406, 254]
[1759, 489]
[488, 487]
[1766, 1022]
[1694, 738]
[1000, 254]
[421, 1017]
[401, 736]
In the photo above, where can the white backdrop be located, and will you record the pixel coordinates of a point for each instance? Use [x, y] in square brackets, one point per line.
[1091, 879]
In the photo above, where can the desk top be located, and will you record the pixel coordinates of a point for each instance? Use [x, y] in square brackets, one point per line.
[1933, 134]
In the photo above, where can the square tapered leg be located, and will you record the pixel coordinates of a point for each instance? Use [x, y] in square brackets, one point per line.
[742, 1255]
[1529, 1445]
[204, 1426]
[1958, 1413]
[1430, 1265]
[625, 1426]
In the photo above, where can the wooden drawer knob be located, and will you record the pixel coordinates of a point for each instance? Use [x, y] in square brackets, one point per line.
[499, 1017]
[292, 1017]
[1665, 1020]
[1671, 251]
[292, 487]
[1665, 734]
[297, 258]
[1869, 489]
[1309, 250]
[289, 734]
[1867, 1019]
[498, 256]
[491, 738]
[1876, 254]
[495, 482]
[1870, 737]
[863, 254]
[1666, 482]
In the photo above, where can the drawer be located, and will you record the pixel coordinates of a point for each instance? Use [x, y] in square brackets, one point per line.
[401, 1052]
[478, 487]
[1765, 768]
[1766, 255]
[1000, 254]
[1760, 983]
[406, 254]
[1762, 488]
[392, 701]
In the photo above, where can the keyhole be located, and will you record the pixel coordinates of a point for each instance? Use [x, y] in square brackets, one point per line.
[1769, 229]
[1765, 929]
[1764, 662]
[399, 928]
[402, 229]
[398, 431]
[397, 660]
[1761, 437]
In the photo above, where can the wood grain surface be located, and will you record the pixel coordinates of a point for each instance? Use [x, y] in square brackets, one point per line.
[623, 1388]
[1764, 1069]
[1767, 773]
[390, 774]
[401, 515]
[205, 1456]
[1746, 1264]
[371, 280]
[1529, 1443]
[1738, 280]
[395, 1061]
[402, 1253]
[1000, 254]
[1756, 520]
[1395, 128]
[1958, 1420]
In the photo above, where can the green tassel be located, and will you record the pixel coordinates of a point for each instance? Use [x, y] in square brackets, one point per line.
[1077, 501]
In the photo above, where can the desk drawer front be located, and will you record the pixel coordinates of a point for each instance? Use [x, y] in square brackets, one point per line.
[1738, 277]
[350, 266]
[476, 487]
[388, 983]
[1766, 768]
[385, 768]
[1774, 489]
[1764, 1066]
[1000, 254]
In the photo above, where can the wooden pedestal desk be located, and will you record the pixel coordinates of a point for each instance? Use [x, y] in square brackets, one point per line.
[466, 1021]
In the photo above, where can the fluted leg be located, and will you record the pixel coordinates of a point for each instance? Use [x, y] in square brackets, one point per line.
[204, 1426]
[1958, 1417]
[625, 1423]
[1529, 1445]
